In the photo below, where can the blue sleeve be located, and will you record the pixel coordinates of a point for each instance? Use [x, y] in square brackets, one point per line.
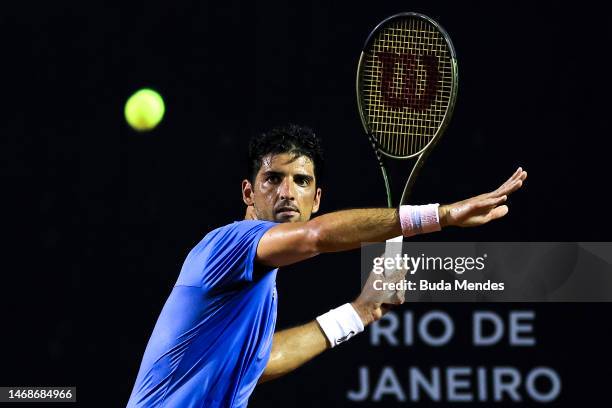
[225, 256]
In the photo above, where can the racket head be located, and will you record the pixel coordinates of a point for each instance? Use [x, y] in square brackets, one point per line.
[407, 81]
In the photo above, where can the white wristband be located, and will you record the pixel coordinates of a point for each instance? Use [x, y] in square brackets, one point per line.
[340, 324]
[419, 219]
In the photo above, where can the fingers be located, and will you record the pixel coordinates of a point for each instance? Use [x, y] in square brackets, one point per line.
[512, 179]
[498, 212]
[516, 176]
[512, 187]
[491, 202]
[512, 184]
[519, 174]
[485, 207]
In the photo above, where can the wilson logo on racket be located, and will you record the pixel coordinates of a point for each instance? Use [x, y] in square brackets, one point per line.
[405, 93]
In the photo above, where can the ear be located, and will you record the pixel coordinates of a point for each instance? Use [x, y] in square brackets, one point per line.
[247, 192]
[317, 201]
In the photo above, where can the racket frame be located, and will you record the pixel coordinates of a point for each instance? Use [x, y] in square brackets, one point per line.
[424, 152]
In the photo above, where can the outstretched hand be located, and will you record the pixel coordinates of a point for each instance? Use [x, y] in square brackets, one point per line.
[483, 208]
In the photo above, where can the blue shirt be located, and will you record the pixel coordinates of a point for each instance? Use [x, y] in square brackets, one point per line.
[213, 337]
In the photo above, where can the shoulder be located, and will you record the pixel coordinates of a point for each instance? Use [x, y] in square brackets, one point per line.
[237, 231]
[245, 227]
[224, 255]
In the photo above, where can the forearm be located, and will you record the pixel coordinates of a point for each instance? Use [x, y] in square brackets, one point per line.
[344, 230]
[288, 243]
[293, 347]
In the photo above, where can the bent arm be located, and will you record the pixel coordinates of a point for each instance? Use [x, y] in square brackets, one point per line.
[293, 347]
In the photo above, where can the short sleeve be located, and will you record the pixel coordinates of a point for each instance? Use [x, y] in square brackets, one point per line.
[225, 256]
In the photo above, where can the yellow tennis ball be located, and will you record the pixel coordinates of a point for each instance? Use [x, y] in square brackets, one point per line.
[144, 110]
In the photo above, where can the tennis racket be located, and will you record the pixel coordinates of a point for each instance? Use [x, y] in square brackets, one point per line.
[406, 90]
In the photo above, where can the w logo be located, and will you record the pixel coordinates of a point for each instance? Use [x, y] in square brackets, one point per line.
[405, 68]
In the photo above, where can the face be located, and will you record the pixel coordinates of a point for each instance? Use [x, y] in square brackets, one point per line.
[284, 189]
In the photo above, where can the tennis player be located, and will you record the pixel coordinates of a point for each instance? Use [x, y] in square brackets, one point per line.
[214, 339]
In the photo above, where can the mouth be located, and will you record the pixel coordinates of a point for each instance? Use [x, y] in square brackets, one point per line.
[287, 211]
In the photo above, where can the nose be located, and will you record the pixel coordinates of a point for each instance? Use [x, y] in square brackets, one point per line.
[286, 189]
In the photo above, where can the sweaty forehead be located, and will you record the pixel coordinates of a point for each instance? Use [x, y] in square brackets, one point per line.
[286, 162]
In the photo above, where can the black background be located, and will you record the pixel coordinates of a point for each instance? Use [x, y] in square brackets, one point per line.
[99, 218]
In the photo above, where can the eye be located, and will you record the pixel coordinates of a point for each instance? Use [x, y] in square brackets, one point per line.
[272, 178]
[302, 181]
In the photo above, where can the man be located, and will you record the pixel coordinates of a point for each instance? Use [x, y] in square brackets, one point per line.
[214, 339]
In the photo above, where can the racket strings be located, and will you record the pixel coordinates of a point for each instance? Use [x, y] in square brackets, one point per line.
[406, 85]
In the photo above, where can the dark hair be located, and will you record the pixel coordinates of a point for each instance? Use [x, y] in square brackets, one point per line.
[293, 139]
